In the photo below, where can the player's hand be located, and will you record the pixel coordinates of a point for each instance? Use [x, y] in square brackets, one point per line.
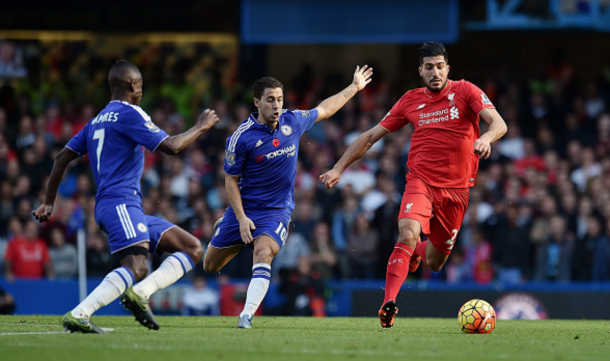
[362, 76]
[330, 178]
[43, 213]
[246, 226]
[207, 119]
[482, 148]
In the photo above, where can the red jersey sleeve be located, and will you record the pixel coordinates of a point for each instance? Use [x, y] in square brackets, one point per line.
[477, 99]
[397, 116]
[10, 252]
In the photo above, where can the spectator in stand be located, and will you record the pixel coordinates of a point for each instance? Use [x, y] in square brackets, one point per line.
[304, 290]
[99, 259]
[601, 259]
[199, 299]
[584, 250]
[553, 256]
[323, 257]
[304, 220]
[63, 255]
[511, 247]
[28, 256]
[588, 169]
[361, 249]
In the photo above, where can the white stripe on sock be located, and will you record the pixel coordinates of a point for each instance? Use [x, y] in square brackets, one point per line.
[184, 260]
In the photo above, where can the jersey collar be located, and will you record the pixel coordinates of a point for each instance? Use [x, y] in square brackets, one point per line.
[254, 117]
[435, 96]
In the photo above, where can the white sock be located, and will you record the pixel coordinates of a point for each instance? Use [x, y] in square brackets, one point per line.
[113, 285]
[261, 276]
[170, 271]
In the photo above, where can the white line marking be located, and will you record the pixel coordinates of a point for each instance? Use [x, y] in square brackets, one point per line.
[31, 333]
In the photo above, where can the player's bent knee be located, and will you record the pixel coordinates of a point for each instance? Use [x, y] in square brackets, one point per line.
[210, 267]
[140, 271]
[408, 237]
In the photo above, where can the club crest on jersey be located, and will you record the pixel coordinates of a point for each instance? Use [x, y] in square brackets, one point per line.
[450, 97]
[485, 99]
[408, 208]
[286, 130]
[142, 228]
[151, 127]
[230, 158]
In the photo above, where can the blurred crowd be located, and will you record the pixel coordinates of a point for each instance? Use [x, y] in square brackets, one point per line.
[540, 209]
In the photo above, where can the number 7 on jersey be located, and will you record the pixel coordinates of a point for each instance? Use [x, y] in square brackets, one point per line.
[99, 134]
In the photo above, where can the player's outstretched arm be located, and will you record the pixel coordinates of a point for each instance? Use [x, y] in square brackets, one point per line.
[175, 144]
[355, 151]
[65, 156]
[362, 76]
[246, 226]
[497, 128]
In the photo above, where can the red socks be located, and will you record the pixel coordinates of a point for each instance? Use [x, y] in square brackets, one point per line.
[420, 250]
[398, 269]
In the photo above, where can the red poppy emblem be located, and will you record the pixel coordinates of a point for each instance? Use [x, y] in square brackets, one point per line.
[276, 143]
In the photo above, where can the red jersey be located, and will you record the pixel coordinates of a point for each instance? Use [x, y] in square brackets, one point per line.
[446, 127]
[27, 258]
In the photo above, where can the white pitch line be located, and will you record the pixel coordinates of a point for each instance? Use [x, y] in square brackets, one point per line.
[27, 324]
[30, 333]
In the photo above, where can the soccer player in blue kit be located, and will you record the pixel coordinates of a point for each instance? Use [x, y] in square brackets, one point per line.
[260, 173]
[115, 141]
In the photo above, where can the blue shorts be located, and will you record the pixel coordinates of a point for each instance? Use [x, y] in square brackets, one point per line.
[127, 225]
[273, 223]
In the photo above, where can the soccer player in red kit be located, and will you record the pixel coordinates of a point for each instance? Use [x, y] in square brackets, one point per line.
[445, 149]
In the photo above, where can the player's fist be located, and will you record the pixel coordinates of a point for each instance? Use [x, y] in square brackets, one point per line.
[208, 118]
[482, 148]
[362, 76]
[43, 213]
[330, 178]
[246, 226]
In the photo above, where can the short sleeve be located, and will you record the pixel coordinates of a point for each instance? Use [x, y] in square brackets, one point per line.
[396, 117]
[140, 128]
[477, 99]
[78, 143]
[235, 155]
[10, 252]
[306, 118]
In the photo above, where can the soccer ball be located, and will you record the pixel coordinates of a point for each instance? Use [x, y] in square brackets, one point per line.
[477, 316]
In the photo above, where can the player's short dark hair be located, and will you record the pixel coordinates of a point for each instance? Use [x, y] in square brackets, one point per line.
[264, 83]
[120, 72]
[432, 48]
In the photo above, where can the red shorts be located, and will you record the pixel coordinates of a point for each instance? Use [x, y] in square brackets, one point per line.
[440, 211]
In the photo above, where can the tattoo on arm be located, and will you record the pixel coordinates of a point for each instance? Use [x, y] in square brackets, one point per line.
[348, 94]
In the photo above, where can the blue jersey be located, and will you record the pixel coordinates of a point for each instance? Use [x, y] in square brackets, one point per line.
[115, 140]
[265, 159]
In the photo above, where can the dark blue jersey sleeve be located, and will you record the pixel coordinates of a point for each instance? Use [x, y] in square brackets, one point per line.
[306, 118]
[78, 143]
[140, 129]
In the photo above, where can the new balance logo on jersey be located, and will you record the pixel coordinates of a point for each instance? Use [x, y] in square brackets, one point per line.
[408, 208]
[421, 106]
[259, 143]
[455, 114]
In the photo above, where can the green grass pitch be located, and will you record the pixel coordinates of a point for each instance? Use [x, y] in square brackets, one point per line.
[293, 338]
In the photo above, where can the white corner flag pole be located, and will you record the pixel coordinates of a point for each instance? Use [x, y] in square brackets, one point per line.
[82, 264]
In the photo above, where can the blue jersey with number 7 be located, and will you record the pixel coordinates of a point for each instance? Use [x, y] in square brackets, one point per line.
[115, 141]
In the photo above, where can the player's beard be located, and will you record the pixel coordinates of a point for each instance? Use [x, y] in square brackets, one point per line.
[434, 90]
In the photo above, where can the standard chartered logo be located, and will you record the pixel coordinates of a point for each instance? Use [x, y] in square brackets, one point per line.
[439, 116]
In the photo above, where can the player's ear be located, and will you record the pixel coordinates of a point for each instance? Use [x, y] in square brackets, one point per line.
[256, 102]
[448, 68]
[419, 70]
